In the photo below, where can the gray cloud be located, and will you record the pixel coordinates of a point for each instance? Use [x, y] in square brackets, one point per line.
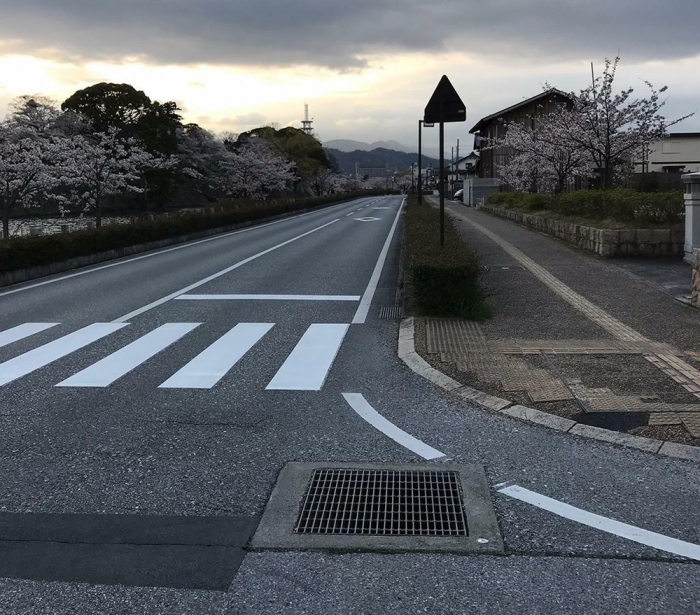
[336, 34]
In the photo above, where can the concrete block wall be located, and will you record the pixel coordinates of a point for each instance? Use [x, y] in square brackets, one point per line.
[604, 242]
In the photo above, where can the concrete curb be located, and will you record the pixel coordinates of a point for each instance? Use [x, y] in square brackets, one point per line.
[407, 353]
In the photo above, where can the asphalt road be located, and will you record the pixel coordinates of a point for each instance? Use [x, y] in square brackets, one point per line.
[150, 422]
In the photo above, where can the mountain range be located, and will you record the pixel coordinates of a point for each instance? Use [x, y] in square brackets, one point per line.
[378, 157]
[348, 145]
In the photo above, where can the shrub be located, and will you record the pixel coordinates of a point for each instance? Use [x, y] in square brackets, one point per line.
[624, 206]
[445, 279]
[22, 252]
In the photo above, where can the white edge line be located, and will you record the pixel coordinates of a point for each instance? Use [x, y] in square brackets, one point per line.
[268, 298]
[636, 534]
[360, 405]
[187, 244]
[216, 275]
[363, 309]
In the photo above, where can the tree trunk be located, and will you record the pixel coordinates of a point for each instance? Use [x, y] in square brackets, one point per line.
[98, 210]
[6, 223]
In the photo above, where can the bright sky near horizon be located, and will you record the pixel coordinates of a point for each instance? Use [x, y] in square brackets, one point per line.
[366, 68]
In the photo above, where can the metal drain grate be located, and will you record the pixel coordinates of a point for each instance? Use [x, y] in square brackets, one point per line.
[383, 503]
[390, 312]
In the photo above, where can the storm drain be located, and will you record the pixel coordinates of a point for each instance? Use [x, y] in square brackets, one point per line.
[383, 503]
[393, 312]
[388, 507]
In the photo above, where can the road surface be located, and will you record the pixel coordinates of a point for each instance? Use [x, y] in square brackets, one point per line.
[178, 384]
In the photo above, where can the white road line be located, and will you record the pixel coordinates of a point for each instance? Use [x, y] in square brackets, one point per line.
[187, 289]
[363, 309]
[111, 368]
[48, 353]
[151, 254]
[210, 366]
[645, 537]
[360, 405]
[30, 328]
[350, 214]
[268, 298]
[307, 367]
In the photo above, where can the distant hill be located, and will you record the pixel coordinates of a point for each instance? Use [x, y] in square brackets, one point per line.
[378, 157]
[347, 145]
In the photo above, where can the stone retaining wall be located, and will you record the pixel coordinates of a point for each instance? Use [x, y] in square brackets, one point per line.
[604, 242]
[695, 297]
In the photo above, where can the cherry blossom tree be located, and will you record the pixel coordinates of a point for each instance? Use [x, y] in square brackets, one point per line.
[200, 156]
[37, 113]
[29, 166]
[613, 128]
[542, 156]
[255, 170]
[104, 165]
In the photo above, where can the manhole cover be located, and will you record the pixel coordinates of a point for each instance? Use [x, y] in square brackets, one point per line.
[359, 507]
[383, 503]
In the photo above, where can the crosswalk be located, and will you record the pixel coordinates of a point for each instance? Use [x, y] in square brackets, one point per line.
[306, 368]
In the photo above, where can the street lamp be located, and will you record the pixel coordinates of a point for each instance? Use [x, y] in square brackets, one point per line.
[421, 123]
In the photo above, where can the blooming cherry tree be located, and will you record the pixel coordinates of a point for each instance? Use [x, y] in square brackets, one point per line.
[255, 170]
[613, 128]
[542, 157]
[29, 167]
[104, 165]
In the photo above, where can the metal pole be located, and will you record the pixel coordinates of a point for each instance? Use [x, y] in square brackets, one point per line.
[442, 174]
[420, 155]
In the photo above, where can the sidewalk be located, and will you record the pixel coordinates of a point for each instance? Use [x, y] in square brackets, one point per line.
[600, 341]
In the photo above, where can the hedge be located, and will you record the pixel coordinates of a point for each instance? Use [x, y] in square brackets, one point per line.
[445, 280]
[625, 206]
[23, 252]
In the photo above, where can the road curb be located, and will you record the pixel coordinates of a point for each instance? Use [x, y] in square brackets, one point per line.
[407, 353]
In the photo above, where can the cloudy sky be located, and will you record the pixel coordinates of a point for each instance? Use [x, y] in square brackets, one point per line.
[365, 67]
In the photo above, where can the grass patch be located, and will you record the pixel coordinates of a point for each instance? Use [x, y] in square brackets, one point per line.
[611, 209]
[23, 252]
[445, 280]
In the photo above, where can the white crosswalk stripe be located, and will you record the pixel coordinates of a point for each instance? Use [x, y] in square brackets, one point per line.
[48, 353]
[305, 369]
[111, 368]
[19, 333]
[210, 366]
[308, 365]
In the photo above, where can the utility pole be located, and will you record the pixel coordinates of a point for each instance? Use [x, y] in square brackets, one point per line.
[457, 165]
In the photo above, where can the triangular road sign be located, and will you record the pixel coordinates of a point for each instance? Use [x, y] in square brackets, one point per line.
[453, 109]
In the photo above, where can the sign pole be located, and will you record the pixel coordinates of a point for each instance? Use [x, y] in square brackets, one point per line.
[442, 174]
[444, 105]
[420, 154]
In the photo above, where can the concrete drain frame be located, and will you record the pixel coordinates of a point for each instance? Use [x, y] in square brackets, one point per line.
[276, 531]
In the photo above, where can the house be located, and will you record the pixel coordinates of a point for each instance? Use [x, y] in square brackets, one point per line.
[465, 166]
[494, 127]
[679, 152]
